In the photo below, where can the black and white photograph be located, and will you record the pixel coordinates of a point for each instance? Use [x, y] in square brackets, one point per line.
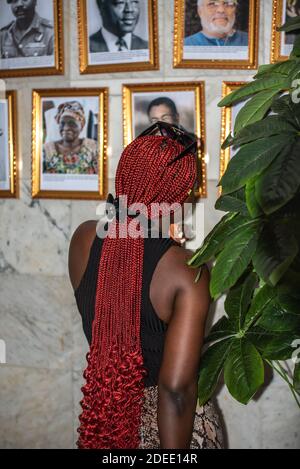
[172, 107]
[9, 171]
[291, 10]
[216, 31]
[27, 35]
[118, 33]
[283, 42]
[4, 148]
[72, 129]
[181, 104]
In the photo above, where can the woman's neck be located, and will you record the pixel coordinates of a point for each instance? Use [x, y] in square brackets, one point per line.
[68, 146]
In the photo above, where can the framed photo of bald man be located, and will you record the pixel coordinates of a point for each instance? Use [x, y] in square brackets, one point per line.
[31, 38]
[182, 104]
[9, 185]
[69, 143]
[216, 34]
[118, 35]
[282, 42]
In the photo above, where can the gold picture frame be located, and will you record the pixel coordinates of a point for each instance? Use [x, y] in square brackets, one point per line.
[58, 66]
[227, 123]
[93, 99]
[248, 63]
[152, 62]
[195, 92]
[279, 50]
[9, 188]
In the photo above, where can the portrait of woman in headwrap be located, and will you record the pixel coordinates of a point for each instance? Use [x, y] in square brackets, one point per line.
[71, 154]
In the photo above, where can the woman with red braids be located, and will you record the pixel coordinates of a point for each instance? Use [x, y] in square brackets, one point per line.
[143, 314]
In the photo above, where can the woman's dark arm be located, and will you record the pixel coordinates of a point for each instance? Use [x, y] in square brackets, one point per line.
[177, 385]
[79, 250]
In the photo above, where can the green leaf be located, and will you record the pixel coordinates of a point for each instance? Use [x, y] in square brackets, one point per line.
[279, 348]
[261, 300]
[244, 370]
[271, 82]
[251, 200]
[221, 330]
[250, 161]
[234, 259]
[296, 48]
[239, 299]
[265, 69]
[292, 24]
[287, 109]
[271, 125]
[283, 68]
[290, 302]
[210, 244]
[276, 319]
[281, 181]
[276, 250]
[255, 109]
[272, 346]
[217, 238]
[234, 202]
[211, 366]
[296, 381]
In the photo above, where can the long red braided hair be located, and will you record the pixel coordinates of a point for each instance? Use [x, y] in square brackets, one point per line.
[113, 393]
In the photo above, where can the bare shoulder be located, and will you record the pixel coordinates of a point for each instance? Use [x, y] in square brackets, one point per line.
[79, 250]
[186, 275]
[84, 235]
[191, 286]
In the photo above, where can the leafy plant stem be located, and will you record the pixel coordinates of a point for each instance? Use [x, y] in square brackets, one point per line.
[280, 370]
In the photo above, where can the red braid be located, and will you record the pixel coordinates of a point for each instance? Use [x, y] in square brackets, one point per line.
[114, 387]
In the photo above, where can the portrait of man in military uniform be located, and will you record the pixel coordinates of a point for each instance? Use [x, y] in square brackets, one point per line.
[28, 34]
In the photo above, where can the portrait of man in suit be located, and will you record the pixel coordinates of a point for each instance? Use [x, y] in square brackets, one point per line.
[119, 21]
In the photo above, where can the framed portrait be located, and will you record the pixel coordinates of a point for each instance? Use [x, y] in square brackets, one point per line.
[31, 38]
[118, 35]
[69, 143]
[216, 34]
[9, 185]
[182, 104]
[229, 115]
[282, 42]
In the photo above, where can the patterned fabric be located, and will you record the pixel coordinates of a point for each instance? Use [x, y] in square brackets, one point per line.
[207, 433]
[83, 162]
[73, 109]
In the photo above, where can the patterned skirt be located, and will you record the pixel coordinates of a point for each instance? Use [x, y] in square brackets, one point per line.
[207, 432]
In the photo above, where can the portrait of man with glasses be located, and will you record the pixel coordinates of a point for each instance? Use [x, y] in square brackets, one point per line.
[219, 25]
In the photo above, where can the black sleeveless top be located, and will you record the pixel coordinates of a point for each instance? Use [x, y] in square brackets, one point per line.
[153, 329]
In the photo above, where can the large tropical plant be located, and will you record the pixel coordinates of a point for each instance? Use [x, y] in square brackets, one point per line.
[256, 245]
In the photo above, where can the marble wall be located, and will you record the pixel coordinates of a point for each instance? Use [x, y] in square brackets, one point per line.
[40, 383]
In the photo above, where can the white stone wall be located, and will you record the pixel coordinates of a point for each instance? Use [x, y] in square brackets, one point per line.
[40, 384]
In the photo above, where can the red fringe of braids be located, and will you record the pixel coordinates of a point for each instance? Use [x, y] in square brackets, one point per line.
[114, 389]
